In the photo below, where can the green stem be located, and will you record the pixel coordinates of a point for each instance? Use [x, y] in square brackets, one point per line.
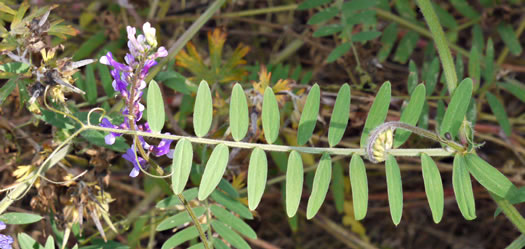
[190, 32]
[195, 221]
[511, 212]
[436, 152]
[441, 43]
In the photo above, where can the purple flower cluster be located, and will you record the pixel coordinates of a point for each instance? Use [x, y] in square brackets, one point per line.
[5, 240]
[129, 82]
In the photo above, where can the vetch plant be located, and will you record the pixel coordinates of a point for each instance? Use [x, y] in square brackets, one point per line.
[213, 208]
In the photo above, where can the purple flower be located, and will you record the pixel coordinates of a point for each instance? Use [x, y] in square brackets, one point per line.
[162, 148]
[147, 66]
[110, 138]
[130, 156]
[129, 82]
[5, 240]
[108, 60]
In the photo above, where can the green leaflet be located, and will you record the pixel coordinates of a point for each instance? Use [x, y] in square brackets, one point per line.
[340, 114]
[410, 114]
[235, 222]
[387, 39]
[309, 115]
[91, 84]
[338, 187]
[229, 235]
[203, 112]
[377, 113]
[197, 246]
[488, 176]
[430, 76]
[323, 15]
[105, 79]
[239, 120]
[460, 68]
[327, 30]
[457, 108]
[232, 204]
[179, 219]
[183, 236]
[156, 115]
[257, 172]
[50, 243]
[338, 52]
[406, 46]
[395, 190]
[181, 165]
[214, 170]
[294, 183]
[463, 7]
[320, 185]
[173, 200]
[463, 188]
[488, 72]
[412, 77]
[359, 183]
[478, 40]
[364, 36]
[308, 4]
[357, 5]
[474, 67]
[271, 119]
[219, 244]
[433, 187]
[19, 218]
[26, 242]
[515, 88]
[499, 111]
[508, 36]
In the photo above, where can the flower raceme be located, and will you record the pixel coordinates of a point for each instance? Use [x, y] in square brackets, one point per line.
[128, 81]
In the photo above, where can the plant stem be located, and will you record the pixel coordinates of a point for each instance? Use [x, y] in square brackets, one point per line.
[195, 221]
[190, 32]
[436, 152]
[511, 212]
[441, 42]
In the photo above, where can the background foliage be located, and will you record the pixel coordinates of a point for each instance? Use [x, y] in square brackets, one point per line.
[291, 61]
